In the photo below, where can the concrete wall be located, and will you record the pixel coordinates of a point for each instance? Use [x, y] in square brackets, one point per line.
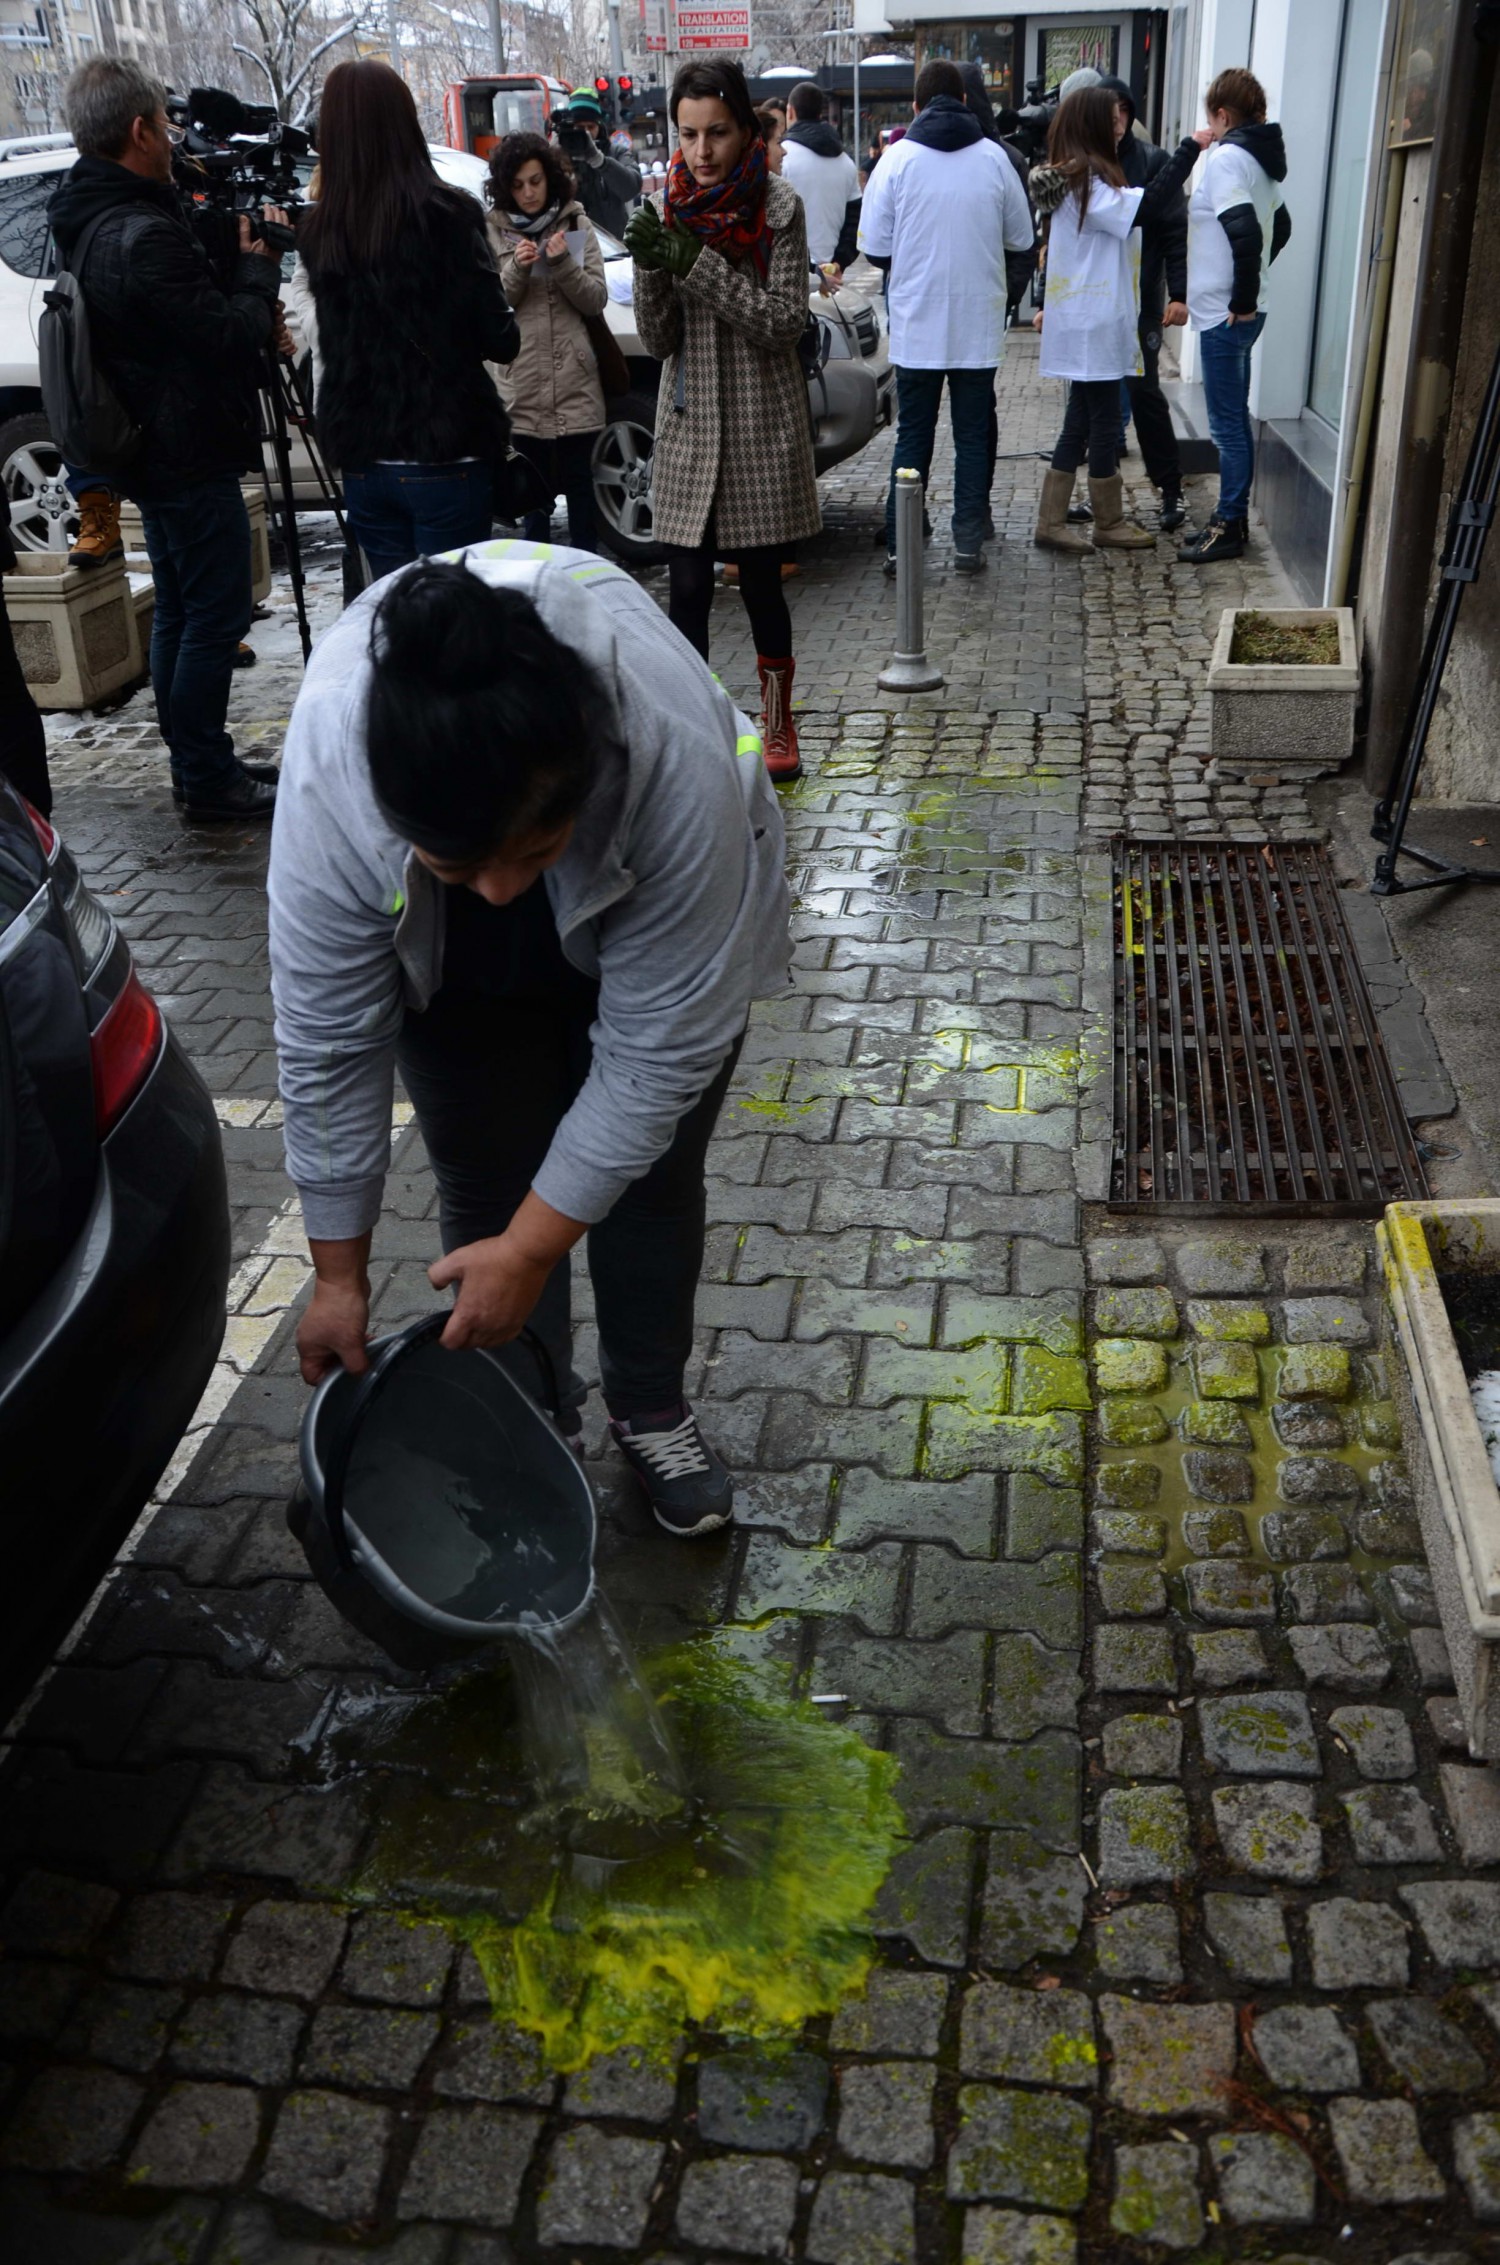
[1381, 470]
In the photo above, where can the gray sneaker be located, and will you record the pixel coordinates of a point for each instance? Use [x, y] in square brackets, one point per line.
[689, 1488]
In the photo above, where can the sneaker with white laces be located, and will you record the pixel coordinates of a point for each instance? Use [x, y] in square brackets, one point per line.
[690, 1490]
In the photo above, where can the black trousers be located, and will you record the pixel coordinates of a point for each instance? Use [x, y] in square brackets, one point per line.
[1153, 419]
[23, 742]
[1091, 428]
[490, 1079]
[690, 578]
[568, 463]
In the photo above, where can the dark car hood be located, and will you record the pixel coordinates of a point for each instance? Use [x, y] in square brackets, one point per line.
[945, 124]
[1265, 145]
[817, 135]
[95, 185]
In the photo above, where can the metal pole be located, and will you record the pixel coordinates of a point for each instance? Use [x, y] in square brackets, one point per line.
[393, 34]
[858, 144]
[909, 670]
[497, 34]
[616, 46]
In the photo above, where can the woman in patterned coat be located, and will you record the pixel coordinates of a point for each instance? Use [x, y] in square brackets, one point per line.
[721, 290]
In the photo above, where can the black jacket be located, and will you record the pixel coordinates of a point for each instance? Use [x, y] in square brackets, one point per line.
[1164, 229]
[1242, 226]
[817, 135]
[607, 188]
[182, 353]
[402, 347]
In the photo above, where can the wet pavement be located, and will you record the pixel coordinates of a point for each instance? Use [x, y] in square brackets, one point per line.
[1188, 1920]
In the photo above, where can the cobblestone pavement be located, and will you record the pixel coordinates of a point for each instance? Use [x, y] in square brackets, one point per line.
[1191, 1945]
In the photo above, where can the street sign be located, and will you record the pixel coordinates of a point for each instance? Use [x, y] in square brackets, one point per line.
[718, 28]
[654, 20]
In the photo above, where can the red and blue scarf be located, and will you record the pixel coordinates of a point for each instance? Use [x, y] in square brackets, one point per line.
[731, 216]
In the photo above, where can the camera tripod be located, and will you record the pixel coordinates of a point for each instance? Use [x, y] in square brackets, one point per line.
[1473, 515]
[284, 406]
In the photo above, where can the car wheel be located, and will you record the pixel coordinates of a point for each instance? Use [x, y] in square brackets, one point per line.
[43, 509]
[622, 481]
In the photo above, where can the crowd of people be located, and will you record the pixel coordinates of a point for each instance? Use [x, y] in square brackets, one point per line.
[526, 847]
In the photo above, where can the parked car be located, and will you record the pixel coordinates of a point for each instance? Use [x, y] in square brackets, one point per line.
[114, 1242]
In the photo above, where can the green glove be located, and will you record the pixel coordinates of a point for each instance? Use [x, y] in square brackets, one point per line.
[677, 251]
[643, 233]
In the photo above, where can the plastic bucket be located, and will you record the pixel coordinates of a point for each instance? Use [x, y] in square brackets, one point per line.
[440, 1509]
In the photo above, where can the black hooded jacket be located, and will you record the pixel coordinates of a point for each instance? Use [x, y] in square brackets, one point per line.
[181, 352]
[1164, 230]
[816, 135]
[1241, 224]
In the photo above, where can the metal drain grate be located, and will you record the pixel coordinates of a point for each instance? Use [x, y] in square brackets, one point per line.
[1249, 1072]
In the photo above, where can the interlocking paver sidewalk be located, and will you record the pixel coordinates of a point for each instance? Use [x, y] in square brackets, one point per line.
[1143, 1968]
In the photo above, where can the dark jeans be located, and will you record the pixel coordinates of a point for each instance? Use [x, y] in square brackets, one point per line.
[919, 395]
[690, 582]
[567, 463]
[1153, 419]
[199, 542]
[1226, 394]
[490, 1079]
[23, 742]
[1091, 428]
[398, 512]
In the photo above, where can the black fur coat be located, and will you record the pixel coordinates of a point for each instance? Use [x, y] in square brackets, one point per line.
[402, 348]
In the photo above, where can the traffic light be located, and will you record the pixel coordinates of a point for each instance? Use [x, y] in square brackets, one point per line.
[604, 88]
[626, 86]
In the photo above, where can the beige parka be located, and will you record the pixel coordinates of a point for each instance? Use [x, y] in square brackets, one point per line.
[552, 388]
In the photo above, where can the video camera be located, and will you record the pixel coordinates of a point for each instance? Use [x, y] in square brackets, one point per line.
[1029, 126]
[236, 157]
[571, 133]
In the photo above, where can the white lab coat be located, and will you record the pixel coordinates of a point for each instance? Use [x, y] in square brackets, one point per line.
[1093, 301]
[945, 219]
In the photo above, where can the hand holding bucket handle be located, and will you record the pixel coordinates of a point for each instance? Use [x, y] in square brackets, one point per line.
[500, 1279]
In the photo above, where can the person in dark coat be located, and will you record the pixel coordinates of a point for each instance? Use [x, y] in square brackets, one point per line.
[1163, 304]
[183, 352]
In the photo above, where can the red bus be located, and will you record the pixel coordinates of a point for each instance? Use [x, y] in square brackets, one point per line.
[478, 113]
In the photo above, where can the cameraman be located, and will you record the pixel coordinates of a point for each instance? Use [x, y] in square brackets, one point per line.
[183, 355]
[607, 186]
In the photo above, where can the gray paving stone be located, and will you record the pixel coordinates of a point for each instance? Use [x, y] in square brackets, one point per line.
[35, 1999]
[1029, 2036]
[1316, 1265]
[1131, 1483]
[1391, 1824]
[640, 2086]
[1381, 2154]
[972, 1781]
[1143, 1312]
[1426, 2050]
[1476, 2158]
[327, 2153]
[1473, 1802]
[885, 2114]
[899, 2013]
[1045, 1598]
[1229, 1321]
[960, 1512]
[741, 2202]
[1017, 2237]
[1305, 2048]
[1168, 2060]
[1218, 1474]
[1039, 1517]
[1325, 1321]
[1128, 1533]
[201, 2135]
[1450, 1730]
[169, 1937]
[1317, 1478]
[1305, 1424]
[1214, 1423]
[1387, 1533]
[1291, 1537]
[1357, 1946]
[1429, 1653]
[1131, 1423]
[286, 1949]
[489, 2060]
[1144, 1835]
[1226, 1372]
[1314, 1372]
[1127, 1658]
[1034, 1687]
[1248, 1933]
[1263, 2179]
[1033, 1902]
[1344, 1657]
[1216, 1533]
[1459, 1919]
[468, 2165]
[779, 1577]
[925, 1896]
[1143, 1745]
[1269, 1735]
[1125, 1260]
[755, 2100]
[1227, 1657]
[357, 2046]
[1221, 1267]
[52, 1914]
[230, 2035]
[860, 2218]
[1380, 1740]
[1156, 2195]
[124, 2025]
[1318, 1594]
[1139, 1942]
[1268, 1829]
[1131, 1591]
[397, 1961]
[1019, 2147]
[887, 1675]
[597, 2188]
[1229, 1595]
[71, 2119]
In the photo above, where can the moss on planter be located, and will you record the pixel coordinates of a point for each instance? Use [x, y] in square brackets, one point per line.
[1258, 638]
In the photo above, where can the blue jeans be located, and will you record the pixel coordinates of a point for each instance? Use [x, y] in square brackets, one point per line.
[919, 395]
[1226, 392]
[199, 543]
[398, 512]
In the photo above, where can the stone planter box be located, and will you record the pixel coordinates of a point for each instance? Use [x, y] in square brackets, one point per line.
[134, 538]
[1457, 1500]
[1273, 720]
[75, 630]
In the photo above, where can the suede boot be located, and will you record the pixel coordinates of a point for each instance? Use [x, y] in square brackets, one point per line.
[783, 757]
[98, 529]
[1052, 530]
[1112, 530]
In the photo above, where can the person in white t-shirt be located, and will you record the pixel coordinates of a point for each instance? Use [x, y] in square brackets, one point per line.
[1090, 315]
[824, 176]
[1237, 223]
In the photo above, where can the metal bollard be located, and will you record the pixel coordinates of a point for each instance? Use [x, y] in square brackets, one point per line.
[909, 669]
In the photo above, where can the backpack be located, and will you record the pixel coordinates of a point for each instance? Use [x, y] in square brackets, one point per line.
[90, 423]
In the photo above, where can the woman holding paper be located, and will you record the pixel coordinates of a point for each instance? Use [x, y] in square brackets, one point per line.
[553, 273]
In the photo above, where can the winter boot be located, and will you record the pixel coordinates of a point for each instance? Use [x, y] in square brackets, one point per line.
[1052, 530]
[1173, 511]
[1220, 539]
[1112, 530]
[98, 529]
[783, 757]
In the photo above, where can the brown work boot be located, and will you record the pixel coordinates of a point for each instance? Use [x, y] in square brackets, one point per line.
[98, 529]
[1052, 529]
[1112, 530]
[783, 757]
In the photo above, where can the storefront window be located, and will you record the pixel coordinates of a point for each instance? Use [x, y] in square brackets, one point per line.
[991, 45]
[1078, 47]
[1419, 68]
[1348, 162]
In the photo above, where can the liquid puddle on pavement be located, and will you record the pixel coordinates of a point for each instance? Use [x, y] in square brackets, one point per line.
[706, 1849]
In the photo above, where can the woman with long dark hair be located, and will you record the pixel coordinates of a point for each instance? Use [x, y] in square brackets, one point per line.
[409, 309]
[552, 272]
[721, 284]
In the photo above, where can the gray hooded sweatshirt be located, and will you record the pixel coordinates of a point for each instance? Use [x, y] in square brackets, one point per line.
[671, 894]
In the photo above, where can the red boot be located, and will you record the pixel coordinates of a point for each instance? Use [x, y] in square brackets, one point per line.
[783, 757]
